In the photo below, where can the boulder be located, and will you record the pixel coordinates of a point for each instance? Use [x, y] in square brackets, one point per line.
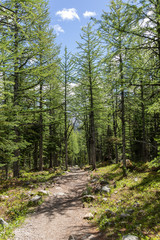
[3, 223]
[89, 216]
[106, 188]
[130, 237]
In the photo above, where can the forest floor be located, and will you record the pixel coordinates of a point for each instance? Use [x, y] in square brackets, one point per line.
[62, 213]
[120, 206]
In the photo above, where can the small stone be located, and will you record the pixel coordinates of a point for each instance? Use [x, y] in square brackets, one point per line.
[130, 237]
[30, 193]
[88, 198]
[36, 199]
[3, 223]
[105, 199]
[43, 192]
[59, 194]
[3, 197]
[94, 180]
[115, 192]
[89, 216]
[106, 189]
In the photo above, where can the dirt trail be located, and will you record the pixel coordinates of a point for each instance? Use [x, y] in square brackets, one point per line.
[62, 213]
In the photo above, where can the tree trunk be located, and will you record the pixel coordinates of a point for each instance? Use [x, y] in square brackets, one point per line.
[143, 126]
[92, 124]
[123, 117]
[35, 155]
[16, 101]
[65, 114]
[115, 128]
[41, 130]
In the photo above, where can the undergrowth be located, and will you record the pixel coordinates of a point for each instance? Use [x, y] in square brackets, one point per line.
[15, 195]
[137, 197]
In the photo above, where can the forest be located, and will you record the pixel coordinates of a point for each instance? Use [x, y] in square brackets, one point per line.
[96, 107]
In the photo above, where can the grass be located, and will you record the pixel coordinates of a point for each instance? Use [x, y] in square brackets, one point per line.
[16, 205]
[138, 193]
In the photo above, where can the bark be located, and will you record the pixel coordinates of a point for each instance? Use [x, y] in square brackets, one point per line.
[16, 87]
[35, 155]
[41, 130]
[143, 126]
[123, 117]
[65, 115]
[115, 128]
[92, 124]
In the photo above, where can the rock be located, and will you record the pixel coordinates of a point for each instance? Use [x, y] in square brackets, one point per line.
[3, 197]
[71, 237]
[36, 199]
[30, 193]
[89, 216]
[88, 198]
[59, 194]
[94, 180]
[3, 223]
[106, 189]
[43, 192]
[105, 199]
[130, 237]
[124, 215]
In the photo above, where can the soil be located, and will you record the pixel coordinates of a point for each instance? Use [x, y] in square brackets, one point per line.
[62, 213]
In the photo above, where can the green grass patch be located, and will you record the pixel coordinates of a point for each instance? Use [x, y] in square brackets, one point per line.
[134, 202]
[15, 195]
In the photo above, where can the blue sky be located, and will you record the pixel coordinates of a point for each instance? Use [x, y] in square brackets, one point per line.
[68, 16]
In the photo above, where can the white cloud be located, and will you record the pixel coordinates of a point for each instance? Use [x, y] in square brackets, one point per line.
[58, 29]
[89, 14]
[68, 14]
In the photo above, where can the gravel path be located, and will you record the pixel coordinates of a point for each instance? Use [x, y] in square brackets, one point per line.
[62, 213]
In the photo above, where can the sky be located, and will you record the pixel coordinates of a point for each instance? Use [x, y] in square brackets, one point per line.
[68, 16]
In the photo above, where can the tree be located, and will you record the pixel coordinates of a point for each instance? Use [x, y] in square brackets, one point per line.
[89, 78]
